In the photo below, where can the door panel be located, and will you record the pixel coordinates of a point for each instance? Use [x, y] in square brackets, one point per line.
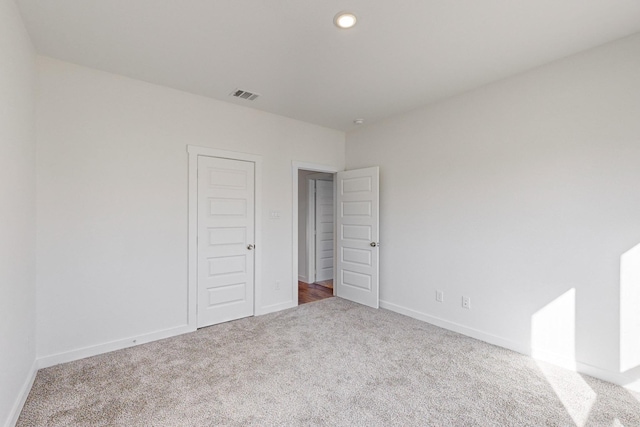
[324, 230]
[358, 231]
[225, 229]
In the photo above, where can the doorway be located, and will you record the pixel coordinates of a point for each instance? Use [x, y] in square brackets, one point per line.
[315, 235]
[355, 232]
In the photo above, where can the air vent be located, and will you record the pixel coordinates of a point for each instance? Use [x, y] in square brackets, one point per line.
[243, 94]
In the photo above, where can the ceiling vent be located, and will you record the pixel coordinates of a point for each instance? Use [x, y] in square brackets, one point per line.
[243, 94]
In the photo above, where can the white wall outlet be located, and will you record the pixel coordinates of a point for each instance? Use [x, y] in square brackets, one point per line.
[439, 296]
[277, 285]
[466, 302]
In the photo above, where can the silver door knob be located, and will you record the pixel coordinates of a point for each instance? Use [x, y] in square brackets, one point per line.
[374, 244]
[250, 247]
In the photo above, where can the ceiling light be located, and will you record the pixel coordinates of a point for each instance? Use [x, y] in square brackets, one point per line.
[345, 20]
[358, 121]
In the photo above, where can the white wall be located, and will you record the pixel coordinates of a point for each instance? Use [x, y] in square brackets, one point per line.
[17, 212]
[112, 201]
[515, 194]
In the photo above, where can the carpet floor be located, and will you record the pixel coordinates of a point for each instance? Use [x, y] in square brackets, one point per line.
[326, 363]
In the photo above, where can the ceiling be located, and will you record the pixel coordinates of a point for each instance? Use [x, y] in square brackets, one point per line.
[401, 55]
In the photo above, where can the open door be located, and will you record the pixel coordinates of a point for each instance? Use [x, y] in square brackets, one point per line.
[357, 218]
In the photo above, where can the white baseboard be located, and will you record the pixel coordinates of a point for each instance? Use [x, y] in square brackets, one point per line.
[456, 327]
[276, 307]
[303, 278]
[70, 356]
[627, 381]
[630, 382]
[22, 397]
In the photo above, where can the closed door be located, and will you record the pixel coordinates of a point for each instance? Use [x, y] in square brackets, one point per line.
[324, 230]
[225, 240]
[357, 236]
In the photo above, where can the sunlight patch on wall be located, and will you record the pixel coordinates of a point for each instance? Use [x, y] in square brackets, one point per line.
[630, 309]
[553, 331]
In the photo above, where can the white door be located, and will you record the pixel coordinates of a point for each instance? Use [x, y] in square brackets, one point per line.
[225, 239]
[357, 230]
[324, 230]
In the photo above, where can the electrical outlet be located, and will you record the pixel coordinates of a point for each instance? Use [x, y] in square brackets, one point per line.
[439, 296]
[277, 285]
[466, 302]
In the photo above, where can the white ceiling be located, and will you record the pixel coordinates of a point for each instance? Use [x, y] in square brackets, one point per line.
[402, 54]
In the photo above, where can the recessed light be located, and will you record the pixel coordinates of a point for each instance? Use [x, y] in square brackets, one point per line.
[345, 20]
[358, 121]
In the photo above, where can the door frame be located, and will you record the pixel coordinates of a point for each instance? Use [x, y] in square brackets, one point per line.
[295, 167]
[192, 280]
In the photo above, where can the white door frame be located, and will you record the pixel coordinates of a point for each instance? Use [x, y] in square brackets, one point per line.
[295, 167]
[194, 152]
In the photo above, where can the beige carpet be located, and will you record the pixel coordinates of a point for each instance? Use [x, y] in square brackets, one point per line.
[326, 363]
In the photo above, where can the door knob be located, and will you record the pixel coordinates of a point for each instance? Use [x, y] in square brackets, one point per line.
[374, 244]
[250, 247]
